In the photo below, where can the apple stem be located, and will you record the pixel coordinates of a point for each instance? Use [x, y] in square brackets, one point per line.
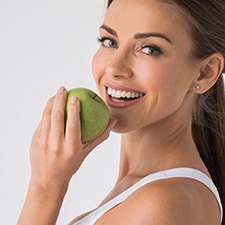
[94, 96]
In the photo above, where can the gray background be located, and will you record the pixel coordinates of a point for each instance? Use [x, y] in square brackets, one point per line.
[43, 45]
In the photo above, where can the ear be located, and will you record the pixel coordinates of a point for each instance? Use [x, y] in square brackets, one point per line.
[211, 69]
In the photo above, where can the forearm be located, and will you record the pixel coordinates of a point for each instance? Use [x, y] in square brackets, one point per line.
[42, 206]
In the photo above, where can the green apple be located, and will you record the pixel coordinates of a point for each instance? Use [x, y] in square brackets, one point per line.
[94, 113]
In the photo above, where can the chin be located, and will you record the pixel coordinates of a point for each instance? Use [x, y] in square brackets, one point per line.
[121, 127]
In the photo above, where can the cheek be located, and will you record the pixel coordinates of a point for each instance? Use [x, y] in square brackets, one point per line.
[99, 64]
[96, 66]
[167, 76]
[153, 75]
[168, 80]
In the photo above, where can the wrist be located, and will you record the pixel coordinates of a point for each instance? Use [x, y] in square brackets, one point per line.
[51, 190]
[45, 200]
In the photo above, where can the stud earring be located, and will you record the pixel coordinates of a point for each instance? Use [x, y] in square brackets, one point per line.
[198, 87]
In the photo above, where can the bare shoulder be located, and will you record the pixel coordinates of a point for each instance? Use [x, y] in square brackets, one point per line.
[165, 202]
[170, 202]
[79, 217]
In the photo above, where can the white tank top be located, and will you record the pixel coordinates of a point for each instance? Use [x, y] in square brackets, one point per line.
[91, 218]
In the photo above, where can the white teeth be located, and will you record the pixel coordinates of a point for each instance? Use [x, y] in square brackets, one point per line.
[109, 91]
[123, 94]
[118, 94]
[113, 93]
[128, 94]
[117, 100]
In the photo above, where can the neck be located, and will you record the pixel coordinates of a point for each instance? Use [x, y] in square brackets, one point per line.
[155, 148]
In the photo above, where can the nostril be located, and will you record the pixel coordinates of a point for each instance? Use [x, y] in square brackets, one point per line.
[119, 69]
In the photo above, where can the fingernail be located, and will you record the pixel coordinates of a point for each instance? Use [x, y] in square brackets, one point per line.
[61, 89]
[73, 100]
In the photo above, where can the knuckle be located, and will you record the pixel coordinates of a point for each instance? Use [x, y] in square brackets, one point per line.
[56, 150]
[43, 143]
[57, 115]
[50, 102]
[71, 154]
[71, 127]
[60, 96]
[75, 155]
[46, 113]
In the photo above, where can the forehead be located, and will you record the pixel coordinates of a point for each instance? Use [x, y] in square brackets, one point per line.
[145, 16]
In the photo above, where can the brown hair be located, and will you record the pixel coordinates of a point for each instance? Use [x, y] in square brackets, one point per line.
[207, 20]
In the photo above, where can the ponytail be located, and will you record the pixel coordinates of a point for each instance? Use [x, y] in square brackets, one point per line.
[208, 130]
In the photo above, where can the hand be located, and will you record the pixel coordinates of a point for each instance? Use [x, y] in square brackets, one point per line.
[57, 151]
[56, 154]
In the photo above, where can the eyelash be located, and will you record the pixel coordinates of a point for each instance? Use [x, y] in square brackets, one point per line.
[157, 50]
[103, 39]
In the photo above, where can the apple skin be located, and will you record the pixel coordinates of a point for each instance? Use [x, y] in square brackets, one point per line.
[94, 113]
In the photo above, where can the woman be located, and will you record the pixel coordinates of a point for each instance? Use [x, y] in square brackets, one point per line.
[159, 69]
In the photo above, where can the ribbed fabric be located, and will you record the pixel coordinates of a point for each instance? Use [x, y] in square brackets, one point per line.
[182, 172]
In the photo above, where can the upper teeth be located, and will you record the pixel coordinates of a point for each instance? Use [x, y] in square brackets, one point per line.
[123, 94]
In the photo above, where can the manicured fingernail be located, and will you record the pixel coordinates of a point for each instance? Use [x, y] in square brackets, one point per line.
[61, 89]
[73, 100]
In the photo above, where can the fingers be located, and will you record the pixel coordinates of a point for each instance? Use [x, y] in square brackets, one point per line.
[52, 122]
[52, 125]
[56, 151]
[73, 131]
[45, 124]
[54, 131]
[57, 114]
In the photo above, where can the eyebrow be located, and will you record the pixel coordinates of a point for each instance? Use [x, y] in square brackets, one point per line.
[109, 30]
[147, 35]
[139, 35]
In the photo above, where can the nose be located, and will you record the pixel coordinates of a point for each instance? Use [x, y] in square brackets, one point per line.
[120, 65]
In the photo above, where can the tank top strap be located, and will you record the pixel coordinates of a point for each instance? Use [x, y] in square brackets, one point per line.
[181, 172]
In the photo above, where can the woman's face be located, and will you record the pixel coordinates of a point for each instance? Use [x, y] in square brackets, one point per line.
[143, 68]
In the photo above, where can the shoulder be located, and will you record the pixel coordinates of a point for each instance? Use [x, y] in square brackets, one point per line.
[171, 201]
[164, 201]
[79, 217]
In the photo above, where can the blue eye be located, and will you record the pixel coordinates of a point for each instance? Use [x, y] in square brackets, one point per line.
[107, 42]
[151, 50]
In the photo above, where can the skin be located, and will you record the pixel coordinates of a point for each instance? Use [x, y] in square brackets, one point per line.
[156, 130]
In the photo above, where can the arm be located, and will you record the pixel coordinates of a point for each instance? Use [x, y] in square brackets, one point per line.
[56, 154]
[41, 206]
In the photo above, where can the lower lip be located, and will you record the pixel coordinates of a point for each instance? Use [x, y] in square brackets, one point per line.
[122, 104]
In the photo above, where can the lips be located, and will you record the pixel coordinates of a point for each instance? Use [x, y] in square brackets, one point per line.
[119, 97]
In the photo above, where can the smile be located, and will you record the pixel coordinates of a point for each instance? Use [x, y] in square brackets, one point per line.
[122, 98]
[118, 95]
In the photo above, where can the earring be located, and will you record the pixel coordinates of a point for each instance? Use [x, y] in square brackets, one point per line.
[198, 87]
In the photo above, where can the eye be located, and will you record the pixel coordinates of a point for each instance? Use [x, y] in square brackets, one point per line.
[151, 50]
[107, 42]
